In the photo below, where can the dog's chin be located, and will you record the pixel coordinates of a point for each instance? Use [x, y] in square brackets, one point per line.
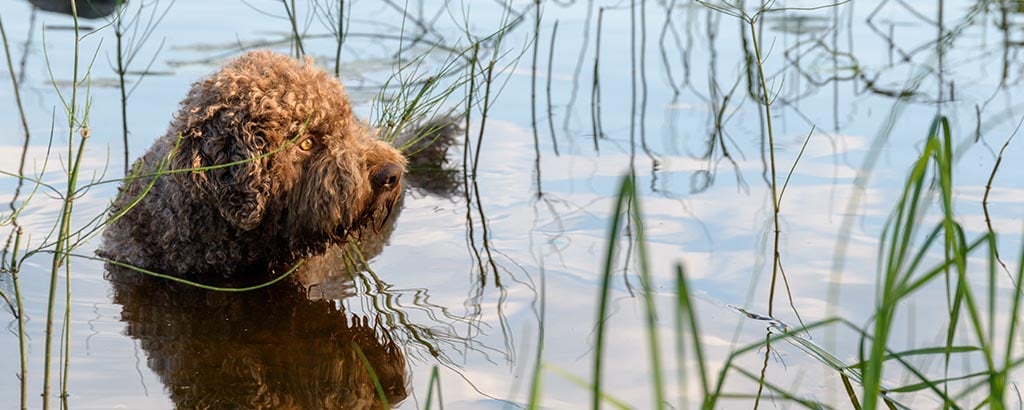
[375, 216]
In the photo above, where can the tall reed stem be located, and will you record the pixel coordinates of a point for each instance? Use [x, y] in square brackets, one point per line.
[119, 35]
[766, 101]
[61, 251]
[22, 352]
[17, 97]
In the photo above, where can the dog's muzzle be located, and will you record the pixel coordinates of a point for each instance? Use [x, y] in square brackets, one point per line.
[386, 178]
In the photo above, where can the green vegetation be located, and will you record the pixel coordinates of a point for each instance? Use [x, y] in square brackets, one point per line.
[905, 267]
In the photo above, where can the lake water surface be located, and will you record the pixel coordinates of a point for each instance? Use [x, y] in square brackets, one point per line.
[478, 272]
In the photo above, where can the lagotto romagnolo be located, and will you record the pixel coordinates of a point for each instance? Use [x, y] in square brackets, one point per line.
[295, 172]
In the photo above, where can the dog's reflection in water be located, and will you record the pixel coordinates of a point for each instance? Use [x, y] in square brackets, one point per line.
[273, 348]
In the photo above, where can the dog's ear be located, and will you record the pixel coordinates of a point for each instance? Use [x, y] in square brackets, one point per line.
[221, 159]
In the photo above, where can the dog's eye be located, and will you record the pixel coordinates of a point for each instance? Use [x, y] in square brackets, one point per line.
[306, 144]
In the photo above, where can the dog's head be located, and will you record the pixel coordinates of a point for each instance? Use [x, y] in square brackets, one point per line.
[274, 145]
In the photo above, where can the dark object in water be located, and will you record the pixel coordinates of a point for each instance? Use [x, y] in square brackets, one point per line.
[90, 9]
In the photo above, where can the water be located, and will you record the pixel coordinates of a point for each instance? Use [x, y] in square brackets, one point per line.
[458, 285]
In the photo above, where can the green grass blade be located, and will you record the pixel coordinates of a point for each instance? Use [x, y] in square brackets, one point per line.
[650, 311]
[435, 380]
[933, 384]
[685, 309]
[579, 381]
[605, 289]
[373, 376]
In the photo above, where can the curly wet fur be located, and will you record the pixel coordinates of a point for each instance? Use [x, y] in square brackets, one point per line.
[277, 201]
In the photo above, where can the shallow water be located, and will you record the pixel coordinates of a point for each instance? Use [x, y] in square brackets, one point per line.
[460, 284]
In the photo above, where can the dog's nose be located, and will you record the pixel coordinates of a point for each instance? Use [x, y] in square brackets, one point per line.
[386, 177]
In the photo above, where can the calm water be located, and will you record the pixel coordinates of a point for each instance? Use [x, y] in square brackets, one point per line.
[459, 286]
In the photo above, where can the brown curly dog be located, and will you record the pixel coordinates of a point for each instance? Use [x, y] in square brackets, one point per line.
[265, 163]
